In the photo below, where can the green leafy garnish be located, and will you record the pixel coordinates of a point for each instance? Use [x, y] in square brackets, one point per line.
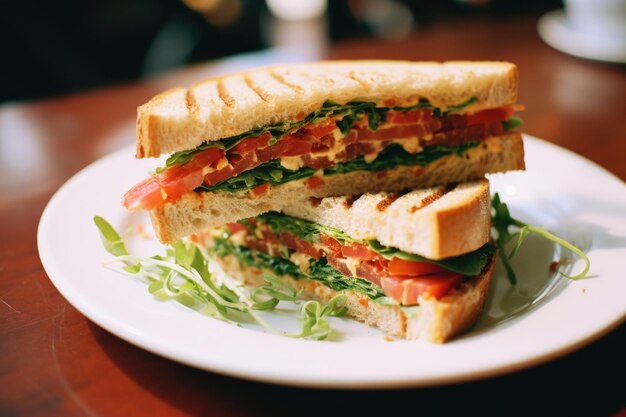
[502, 222]
[458, 107]
[111, 240]
[512, 122]
[314, 316]
[268, 296]
[184, 274]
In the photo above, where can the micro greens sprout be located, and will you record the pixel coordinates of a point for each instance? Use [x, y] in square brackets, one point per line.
[184, 274]
[502, 222]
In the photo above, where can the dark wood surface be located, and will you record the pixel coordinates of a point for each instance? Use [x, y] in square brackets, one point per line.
[53, 361]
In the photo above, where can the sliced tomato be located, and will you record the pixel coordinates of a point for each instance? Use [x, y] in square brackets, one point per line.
[218, 176]
[397, 132]
[492, 115]
[314, 182]
[407, 290]
[252, 144]
[357, 250]
[299, 245]
[331, 243]
[406, 117]
[268, 236]
[242, 163]
[260, 190]
[204, 158]
[178, 180]
[235, 227]
[399, 266]
[171, 183]
[296, 147]
[302, 246]
[144, 196]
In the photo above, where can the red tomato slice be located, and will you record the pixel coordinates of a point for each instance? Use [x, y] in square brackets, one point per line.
[144, 196]
[492, 115]
[260, 190]
[178, 180]
[357, 250]
[405, 117]
[302, 246]
[319, 130]
[331, 243]
[241, 164]
[205, 158]
[407, 291]
[399, 266]
[216, 177]
[296, 147]
[314, 182]
[253, 143]
[235, 227]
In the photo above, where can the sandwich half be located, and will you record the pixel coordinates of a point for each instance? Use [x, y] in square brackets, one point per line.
[416, 265]
[248, 143]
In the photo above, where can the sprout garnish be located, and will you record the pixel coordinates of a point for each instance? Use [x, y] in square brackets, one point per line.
[184, 275]
[502, 221]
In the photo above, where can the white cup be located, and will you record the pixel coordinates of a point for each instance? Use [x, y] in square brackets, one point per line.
[606, 18]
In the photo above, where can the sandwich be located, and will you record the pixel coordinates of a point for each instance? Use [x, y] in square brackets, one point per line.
[249, 143]
[416, 264]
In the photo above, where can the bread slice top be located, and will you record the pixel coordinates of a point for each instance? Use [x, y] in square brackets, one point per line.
[181, 119]
[435, 223]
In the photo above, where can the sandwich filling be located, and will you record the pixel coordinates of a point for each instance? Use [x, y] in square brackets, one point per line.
[336, 139]
[304, 249]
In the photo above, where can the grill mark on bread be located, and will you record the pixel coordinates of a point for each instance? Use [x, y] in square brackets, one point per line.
[387, 201]
[263, 95]
[281, 79]
[349, 201]
[228, 100]
[431, 198]
[191, 103]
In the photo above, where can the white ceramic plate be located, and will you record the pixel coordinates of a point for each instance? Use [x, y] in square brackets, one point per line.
[555, 30]
[543, 317]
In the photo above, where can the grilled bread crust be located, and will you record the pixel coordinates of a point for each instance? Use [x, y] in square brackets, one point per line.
[181, 119]
[200, 210]
[436, 321]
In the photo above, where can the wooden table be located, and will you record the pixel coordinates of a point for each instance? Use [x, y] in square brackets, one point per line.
[53, 361]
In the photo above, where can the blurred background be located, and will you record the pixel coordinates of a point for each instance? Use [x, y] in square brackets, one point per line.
[60, 47]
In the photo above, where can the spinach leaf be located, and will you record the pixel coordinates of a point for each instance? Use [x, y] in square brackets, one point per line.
[469, 264]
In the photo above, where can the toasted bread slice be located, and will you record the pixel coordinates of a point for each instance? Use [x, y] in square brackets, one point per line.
[434, 320]
[197, 211]
[181, 119]
[435, 222]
